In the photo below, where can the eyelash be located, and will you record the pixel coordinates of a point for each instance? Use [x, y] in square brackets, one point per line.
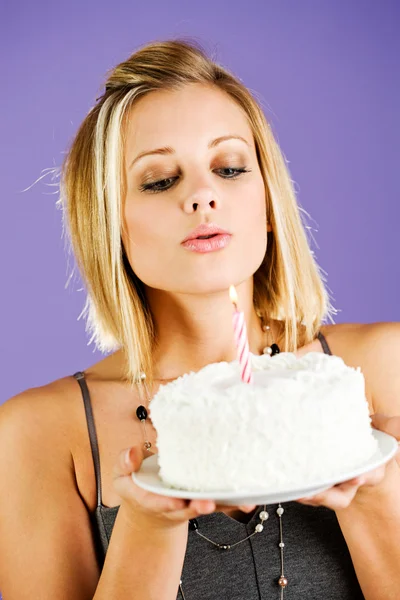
[150, 187]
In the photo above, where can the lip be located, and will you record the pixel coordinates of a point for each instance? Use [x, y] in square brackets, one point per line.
[205, 229]
[218, 242]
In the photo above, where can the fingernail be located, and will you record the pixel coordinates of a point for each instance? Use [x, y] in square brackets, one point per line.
[127, 459]
[247, 507]
[209, 507]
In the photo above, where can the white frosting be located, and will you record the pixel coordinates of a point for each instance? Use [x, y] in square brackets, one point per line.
[302, 420]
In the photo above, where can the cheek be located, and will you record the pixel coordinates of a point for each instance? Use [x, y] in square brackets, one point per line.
[143, 224]
[133, 236]
[147, 241]
[251, 208]
[254, 224]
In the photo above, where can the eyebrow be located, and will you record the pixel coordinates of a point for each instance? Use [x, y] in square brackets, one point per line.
[169, 150]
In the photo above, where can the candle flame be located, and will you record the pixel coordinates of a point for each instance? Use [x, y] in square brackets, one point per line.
[233, 295]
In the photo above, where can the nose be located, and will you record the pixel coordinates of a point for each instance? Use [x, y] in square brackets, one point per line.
[204, 200]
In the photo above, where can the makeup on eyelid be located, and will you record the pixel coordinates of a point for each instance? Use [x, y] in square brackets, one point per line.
[153, 177]
[152, 186]
[231, 159]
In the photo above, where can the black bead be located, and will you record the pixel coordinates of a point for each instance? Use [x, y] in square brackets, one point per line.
[193, 524]
[141, 413]
[274, 349]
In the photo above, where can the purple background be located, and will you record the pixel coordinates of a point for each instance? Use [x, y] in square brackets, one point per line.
[328, 76]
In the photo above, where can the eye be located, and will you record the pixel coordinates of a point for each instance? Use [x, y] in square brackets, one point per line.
[234, 172]
[163, 185]
[158, 186]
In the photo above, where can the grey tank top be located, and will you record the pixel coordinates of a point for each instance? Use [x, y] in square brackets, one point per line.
[317, 561]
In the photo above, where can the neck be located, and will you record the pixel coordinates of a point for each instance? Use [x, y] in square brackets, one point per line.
[193, 331]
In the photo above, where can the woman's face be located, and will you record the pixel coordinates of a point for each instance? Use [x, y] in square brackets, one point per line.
[192, 180]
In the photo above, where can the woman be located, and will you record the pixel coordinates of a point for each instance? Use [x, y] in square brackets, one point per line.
[176, 142]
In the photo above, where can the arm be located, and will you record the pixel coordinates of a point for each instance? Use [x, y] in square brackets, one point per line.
[143, 562]
[368, 508]
[46, 545]
[149, 526]
[371, 528]
[371, 523]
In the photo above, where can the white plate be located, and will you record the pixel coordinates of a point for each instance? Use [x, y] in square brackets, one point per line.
[148, 478]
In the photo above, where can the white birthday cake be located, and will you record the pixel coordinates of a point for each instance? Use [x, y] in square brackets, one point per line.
[302, 420]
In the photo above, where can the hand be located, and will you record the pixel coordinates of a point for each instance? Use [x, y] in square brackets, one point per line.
[164, 510]
[390, 425]
[342, 494]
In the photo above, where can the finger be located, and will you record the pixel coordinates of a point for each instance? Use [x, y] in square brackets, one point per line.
[194, 509]
[390, 425]
[129, 461]
[247, 508]
[164, 504]
[202, 505]
[127, 489]
[306, 501]
[337, 497]
[373, 477]
[180, 507]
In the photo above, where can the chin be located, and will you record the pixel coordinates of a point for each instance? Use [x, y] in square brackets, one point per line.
[206, 277]
[212, 281]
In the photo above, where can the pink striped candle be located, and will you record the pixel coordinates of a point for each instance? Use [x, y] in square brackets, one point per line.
[242, 343]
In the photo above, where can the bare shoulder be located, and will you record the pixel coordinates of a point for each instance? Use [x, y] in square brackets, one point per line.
[375, 348]
[49, 421]
[43, 520]
[35, 434]
[54, 413]
[40, 413]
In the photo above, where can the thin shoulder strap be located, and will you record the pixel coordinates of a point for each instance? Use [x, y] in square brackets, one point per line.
[324, 343]
[80, 377]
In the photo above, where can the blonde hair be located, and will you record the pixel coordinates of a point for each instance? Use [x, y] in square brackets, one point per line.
[288, 285]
